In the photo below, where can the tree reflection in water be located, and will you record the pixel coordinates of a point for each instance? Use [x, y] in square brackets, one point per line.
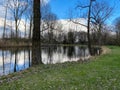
[13, 60]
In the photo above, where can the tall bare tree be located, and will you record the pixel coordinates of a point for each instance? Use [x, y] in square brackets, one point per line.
[100, 13]
[17, 7]
[6, 10]
[97, 14]
[49, 24]
[88, 21]
[117, 25]
[29, 17]
[88, 25]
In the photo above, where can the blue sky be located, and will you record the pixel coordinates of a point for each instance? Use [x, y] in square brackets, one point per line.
[61, 7]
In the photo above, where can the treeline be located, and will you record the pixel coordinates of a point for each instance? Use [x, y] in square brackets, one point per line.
[19, 26]
[75, 37]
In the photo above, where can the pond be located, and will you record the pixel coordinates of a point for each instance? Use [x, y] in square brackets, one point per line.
[17, 59]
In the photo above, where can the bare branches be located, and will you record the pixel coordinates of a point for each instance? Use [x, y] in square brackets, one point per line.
[78, 6]
[76, 22]
[46, 27]
[17, 7]
[100, 13]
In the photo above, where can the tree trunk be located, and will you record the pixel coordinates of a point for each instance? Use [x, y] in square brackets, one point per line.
[30, 28]
[88, 28]
[16, 28]
[5, 22]
[99, 35]
[36, 40]
[25, 35]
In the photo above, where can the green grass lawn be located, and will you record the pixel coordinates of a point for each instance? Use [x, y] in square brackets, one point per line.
[101, 73]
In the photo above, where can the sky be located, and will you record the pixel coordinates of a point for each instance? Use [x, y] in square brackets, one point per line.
[61, 7]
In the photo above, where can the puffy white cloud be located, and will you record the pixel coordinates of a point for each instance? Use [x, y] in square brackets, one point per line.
[69, 25]
[44, 2]
[10, 24]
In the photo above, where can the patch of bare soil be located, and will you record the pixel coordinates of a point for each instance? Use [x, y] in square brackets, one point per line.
[105, 50]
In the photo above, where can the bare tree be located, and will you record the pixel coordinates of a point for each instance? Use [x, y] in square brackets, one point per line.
[6, 10]
[88, 25]
[88, 21]
[97, 14]
[17, 7]
[117, 25]
[29, 17]
[100, 13]
[49, 23]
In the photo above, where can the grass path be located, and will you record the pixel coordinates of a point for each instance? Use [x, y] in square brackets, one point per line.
[101, 73]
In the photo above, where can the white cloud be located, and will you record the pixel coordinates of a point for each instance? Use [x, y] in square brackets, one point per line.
[11, 24]
[69, 25]
[44, 2]
[3, 10]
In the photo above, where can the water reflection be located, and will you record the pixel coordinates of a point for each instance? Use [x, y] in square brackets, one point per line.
[52, 55]
[12, 60]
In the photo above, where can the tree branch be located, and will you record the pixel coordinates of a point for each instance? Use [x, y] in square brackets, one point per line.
[78, 6]
[78, 23]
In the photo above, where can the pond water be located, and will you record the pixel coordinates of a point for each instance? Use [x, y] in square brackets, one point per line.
[17, 59]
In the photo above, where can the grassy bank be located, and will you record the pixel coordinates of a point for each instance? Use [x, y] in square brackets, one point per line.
[101, 73]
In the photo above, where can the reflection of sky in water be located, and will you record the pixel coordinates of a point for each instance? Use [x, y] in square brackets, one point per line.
[50, 55]
[22, 61]
[61, 55]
